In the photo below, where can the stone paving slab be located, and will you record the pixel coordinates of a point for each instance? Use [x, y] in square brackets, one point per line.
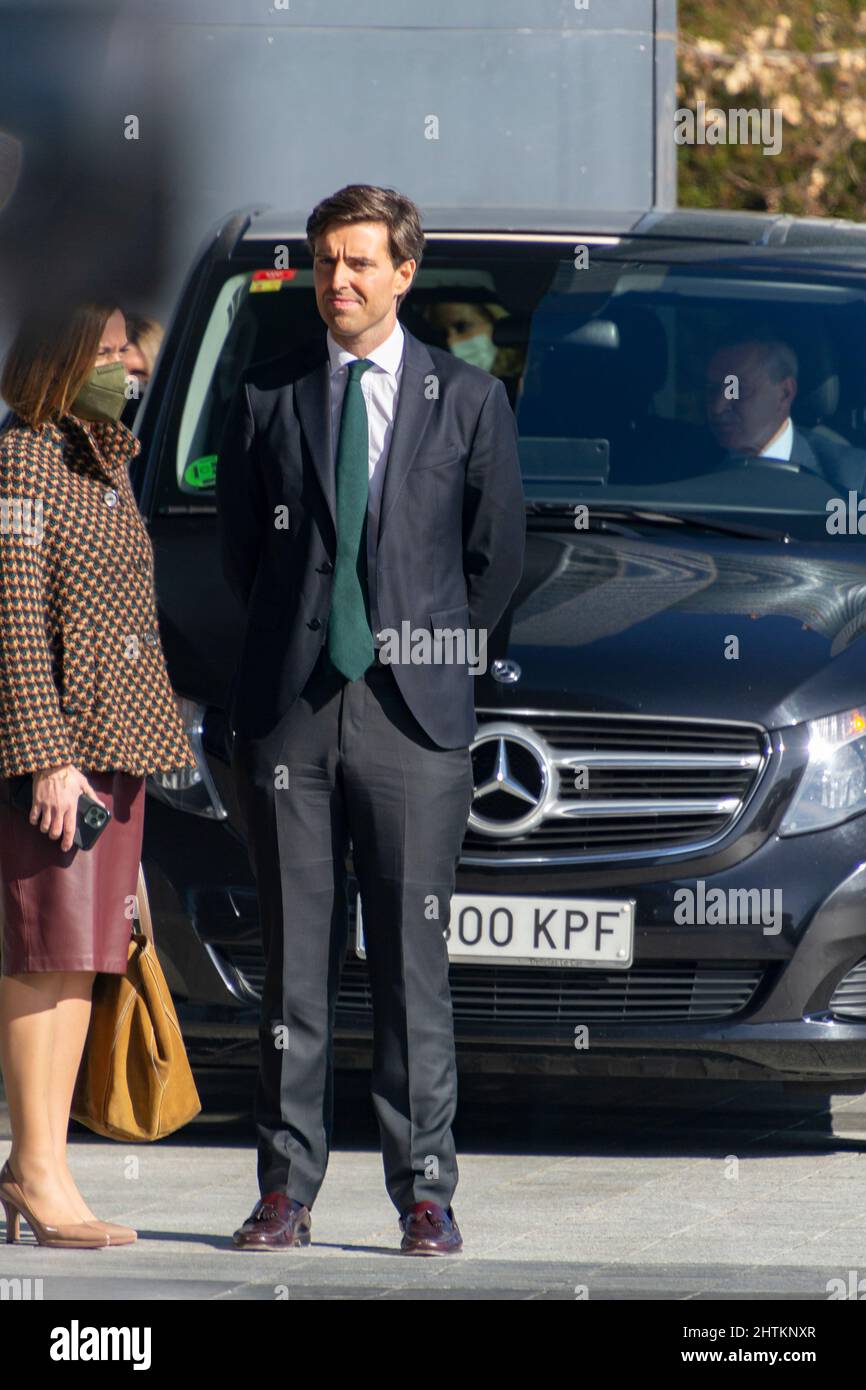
[637, 1203]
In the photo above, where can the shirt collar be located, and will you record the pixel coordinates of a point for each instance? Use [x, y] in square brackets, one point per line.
[779, 447]
[387, 355]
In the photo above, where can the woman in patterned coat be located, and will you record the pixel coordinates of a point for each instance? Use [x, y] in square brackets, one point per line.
[85, 706]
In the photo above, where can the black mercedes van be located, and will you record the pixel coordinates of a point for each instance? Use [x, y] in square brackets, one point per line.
[664, 869]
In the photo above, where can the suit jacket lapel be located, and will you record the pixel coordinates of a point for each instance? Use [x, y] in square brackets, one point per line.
[313, 397]
[803, 454]
[410, 422]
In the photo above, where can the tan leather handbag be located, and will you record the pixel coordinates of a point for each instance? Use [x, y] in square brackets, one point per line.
[135, 1081]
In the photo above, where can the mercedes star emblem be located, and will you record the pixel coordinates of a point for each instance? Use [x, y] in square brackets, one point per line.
[514, 780]
[505, 671]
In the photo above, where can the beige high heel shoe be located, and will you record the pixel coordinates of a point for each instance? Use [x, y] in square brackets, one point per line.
[117, 1234]
[79, 1235]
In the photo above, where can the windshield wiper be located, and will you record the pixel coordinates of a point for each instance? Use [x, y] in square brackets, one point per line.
[651, 516]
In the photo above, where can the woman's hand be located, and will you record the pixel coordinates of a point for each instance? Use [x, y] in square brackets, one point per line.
[55, 801]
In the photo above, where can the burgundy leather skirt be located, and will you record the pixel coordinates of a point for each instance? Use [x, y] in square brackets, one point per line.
[70, 911]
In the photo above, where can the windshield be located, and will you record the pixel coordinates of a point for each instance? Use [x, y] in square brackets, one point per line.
[700, 387]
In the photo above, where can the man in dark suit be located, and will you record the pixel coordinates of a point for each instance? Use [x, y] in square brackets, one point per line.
[751, 384]
[372, 524]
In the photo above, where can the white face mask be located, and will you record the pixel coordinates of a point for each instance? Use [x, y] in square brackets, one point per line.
[480, 350]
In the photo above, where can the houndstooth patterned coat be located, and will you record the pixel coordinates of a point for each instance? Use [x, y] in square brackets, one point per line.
[82, 672]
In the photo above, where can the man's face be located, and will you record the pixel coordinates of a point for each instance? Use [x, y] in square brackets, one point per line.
[745, 407]
[356, 284]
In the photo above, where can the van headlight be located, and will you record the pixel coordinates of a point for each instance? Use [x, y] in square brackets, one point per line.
[833, 786]
[191, 788]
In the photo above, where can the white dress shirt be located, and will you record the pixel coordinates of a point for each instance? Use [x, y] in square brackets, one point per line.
[381, 387]
[780, 446]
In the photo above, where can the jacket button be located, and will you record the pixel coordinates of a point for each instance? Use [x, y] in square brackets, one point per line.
[110, 497]
[151, 637]
[326, 568]
[314, 624]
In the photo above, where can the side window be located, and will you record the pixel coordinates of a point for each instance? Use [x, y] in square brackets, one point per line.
[256, 315]
[217, 371]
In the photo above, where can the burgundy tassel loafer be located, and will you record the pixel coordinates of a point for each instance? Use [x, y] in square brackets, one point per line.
[429, 1229]
[277, 1222]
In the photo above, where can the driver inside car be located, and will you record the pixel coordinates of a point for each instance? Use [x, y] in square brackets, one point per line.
[750, 387]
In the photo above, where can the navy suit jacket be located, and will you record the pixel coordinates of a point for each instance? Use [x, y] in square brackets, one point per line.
[840, 464]
[451, 532]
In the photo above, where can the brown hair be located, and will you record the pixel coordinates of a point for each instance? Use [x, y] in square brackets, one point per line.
[147, 335]
[365, 202]
[50, 358]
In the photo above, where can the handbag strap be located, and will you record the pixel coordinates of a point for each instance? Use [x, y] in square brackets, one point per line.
[145, 923]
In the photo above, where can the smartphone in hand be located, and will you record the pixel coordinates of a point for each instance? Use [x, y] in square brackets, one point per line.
[90, 822]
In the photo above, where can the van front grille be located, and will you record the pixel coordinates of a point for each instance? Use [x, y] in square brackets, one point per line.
[564, 788]
[524, 998]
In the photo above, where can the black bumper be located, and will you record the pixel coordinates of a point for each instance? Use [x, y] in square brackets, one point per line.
[773, 988]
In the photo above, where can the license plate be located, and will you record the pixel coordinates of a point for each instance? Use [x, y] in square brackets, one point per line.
[534, 931]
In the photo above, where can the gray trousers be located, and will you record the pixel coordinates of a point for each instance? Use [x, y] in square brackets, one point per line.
[349, 762]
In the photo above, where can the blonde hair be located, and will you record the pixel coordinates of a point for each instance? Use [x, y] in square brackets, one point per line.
[147, 335]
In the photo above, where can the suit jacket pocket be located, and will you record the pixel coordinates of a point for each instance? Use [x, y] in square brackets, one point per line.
[78, 669]
[436, 458]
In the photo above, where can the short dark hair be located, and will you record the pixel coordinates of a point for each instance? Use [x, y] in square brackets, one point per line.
[365, 202]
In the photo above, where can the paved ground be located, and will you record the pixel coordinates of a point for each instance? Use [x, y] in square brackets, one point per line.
[605, 1190]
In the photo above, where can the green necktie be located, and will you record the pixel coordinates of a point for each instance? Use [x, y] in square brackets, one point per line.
[350, 638]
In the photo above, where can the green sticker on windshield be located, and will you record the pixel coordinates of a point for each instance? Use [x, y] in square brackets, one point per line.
[201, 473]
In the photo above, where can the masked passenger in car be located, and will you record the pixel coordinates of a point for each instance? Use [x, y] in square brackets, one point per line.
[468, 331]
